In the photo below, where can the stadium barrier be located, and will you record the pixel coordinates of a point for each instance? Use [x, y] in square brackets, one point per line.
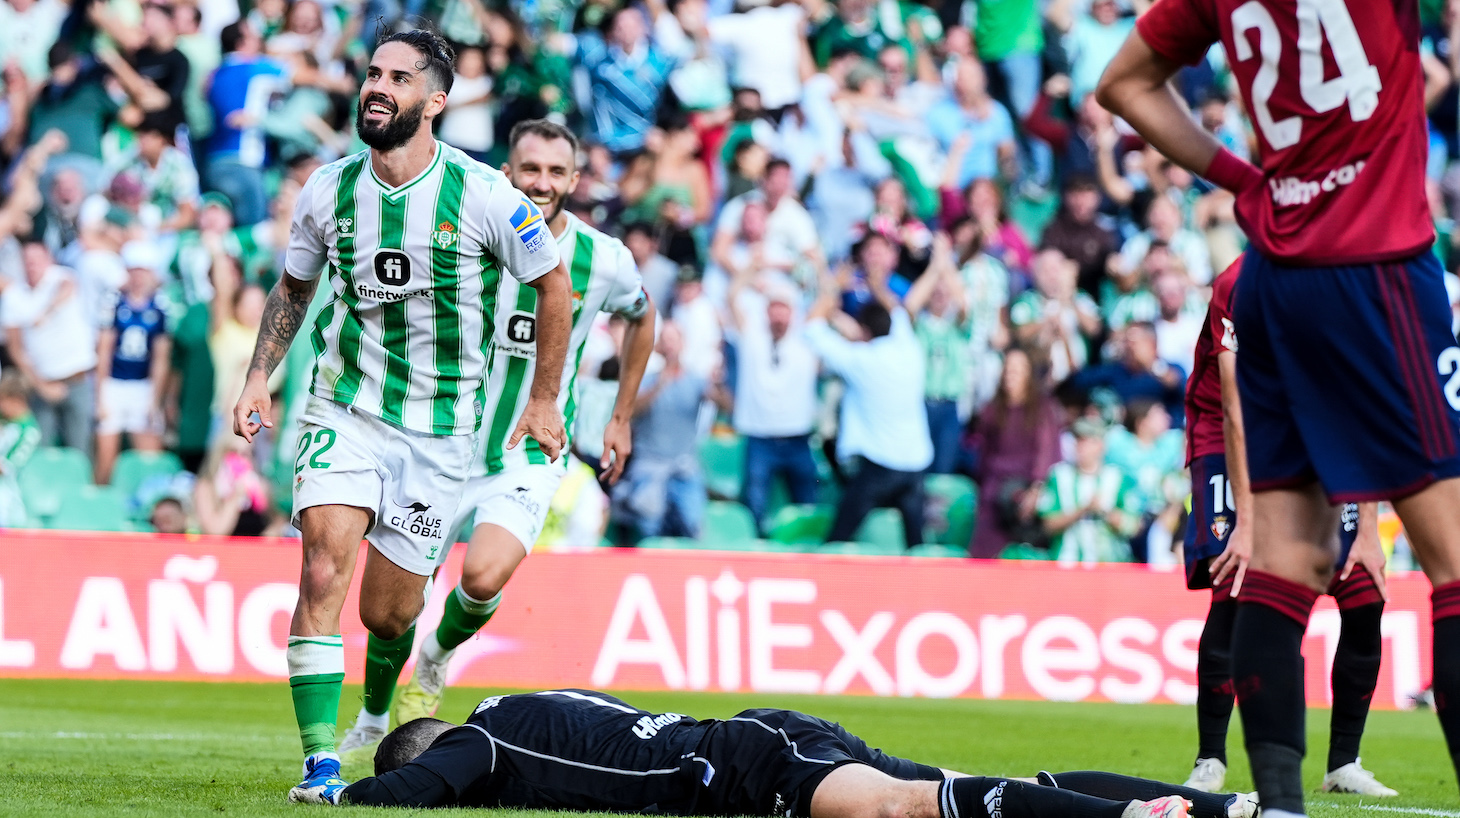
[151, 606]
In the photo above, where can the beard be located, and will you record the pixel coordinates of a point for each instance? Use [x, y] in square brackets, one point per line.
[396, 131]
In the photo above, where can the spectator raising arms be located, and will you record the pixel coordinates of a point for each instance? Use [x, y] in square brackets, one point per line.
[52, 339]
[775, 391]
[882, 440]
[939, 312]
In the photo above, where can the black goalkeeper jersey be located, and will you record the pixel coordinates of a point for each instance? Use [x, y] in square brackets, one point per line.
[584, 750]
[556, 749]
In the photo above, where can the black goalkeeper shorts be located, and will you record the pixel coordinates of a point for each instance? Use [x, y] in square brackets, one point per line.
[769, 762]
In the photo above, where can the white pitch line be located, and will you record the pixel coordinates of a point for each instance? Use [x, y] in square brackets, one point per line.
[1435, 813]
[61, 734]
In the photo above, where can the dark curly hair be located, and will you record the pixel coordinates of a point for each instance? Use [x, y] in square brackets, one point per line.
[440, 57]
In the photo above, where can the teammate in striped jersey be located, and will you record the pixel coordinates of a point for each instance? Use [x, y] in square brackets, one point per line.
[415, 236]
[511, 489]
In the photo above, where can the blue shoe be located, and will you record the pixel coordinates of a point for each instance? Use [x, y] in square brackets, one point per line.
[322, 783]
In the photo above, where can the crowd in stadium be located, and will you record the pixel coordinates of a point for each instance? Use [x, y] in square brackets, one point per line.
[1022, 280]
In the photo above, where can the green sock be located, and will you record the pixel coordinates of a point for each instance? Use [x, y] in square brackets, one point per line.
[316, 673]
[463, 617]
[383, 661]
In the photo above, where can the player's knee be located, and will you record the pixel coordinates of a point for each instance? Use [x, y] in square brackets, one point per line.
[387, 624]
[321, 576]
[485, 581]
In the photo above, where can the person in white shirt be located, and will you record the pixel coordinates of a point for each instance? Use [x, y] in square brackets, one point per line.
[790, 231]
[467, 121]
[765, 47]
[1178, 326]
[775, 391]
[52, 339]
[883, 442]
[699, 324]
[1164, 223]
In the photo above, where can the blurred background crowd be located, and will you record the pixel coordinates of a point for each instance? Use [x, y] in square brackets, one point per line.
[919, 289]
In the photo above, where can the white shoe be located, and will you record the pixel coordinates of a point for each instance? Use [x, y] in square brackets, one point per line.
[1243, 805]
[421, 696]
[1209, 775]
[360, 742]
[1353, 778]
[1170, 806]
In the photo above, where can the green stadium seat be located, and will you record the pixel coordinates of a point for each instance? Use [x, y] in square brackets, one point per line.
[863, 549]
[960, 519]
[668, 543]
[135, 469]
[723, 459]
[948, 488]
[933, 549]
[801, 524]
[945, 494]
[727, 521]
[52, 474]
[1023, 551]
[92, 508]
[756, 546]
[883, 526]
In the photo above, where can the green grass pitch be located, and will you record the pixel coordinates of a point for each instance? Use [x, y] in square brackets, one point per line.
[160, 749]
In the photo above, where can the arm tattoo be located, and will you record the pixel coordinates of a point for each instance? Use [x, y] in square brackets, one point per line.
[283, 315]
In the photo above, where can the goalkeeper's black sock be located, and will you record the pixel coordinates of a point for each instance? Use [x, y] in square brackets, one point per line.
[1355, 674]
[1007, 798]
[1126, 788]
[1445, 602]
[1214, 697]
[1267, 673]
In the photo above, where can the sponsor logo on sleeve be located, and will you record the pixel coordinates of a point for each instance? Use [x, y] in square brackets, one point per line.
[529, 225]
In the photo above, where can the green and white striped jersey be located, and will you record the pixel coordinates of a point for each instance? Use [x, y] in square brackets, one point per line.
[605, 279]
[414, 272]
[1090, 539]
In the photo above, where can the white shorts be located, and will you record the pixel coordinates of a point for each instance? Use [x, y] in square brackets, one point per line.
[127, 406]
[517, 499]
[410, 481]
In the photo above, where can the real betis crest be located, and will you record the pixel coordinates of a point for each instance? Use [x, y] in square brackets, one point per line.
[445, 235]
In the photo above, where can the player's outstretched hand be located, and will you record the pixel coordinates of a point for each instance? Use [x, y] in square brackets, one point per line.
[541, 421]
[618, 444]
[1234, 558]
[1368, 552]
[255, 398]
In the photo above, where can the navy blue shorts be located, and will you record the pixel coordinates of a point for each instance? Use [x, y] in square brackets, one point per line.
[1212, 518]
[1348, 375]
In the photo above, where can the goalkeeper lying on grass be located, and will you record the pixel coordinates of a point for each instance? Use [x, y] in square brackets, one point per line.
[582, 750]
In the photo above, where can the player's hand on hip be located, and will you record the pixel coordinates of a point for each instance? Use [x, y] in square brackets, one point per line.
[618, 444]
[1368, 552]
[541, 421]
[255, 398]
[1234, 558]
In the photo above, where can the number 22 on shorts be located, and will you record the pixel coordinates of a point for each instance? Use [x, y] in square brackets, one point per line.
[321, 441]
